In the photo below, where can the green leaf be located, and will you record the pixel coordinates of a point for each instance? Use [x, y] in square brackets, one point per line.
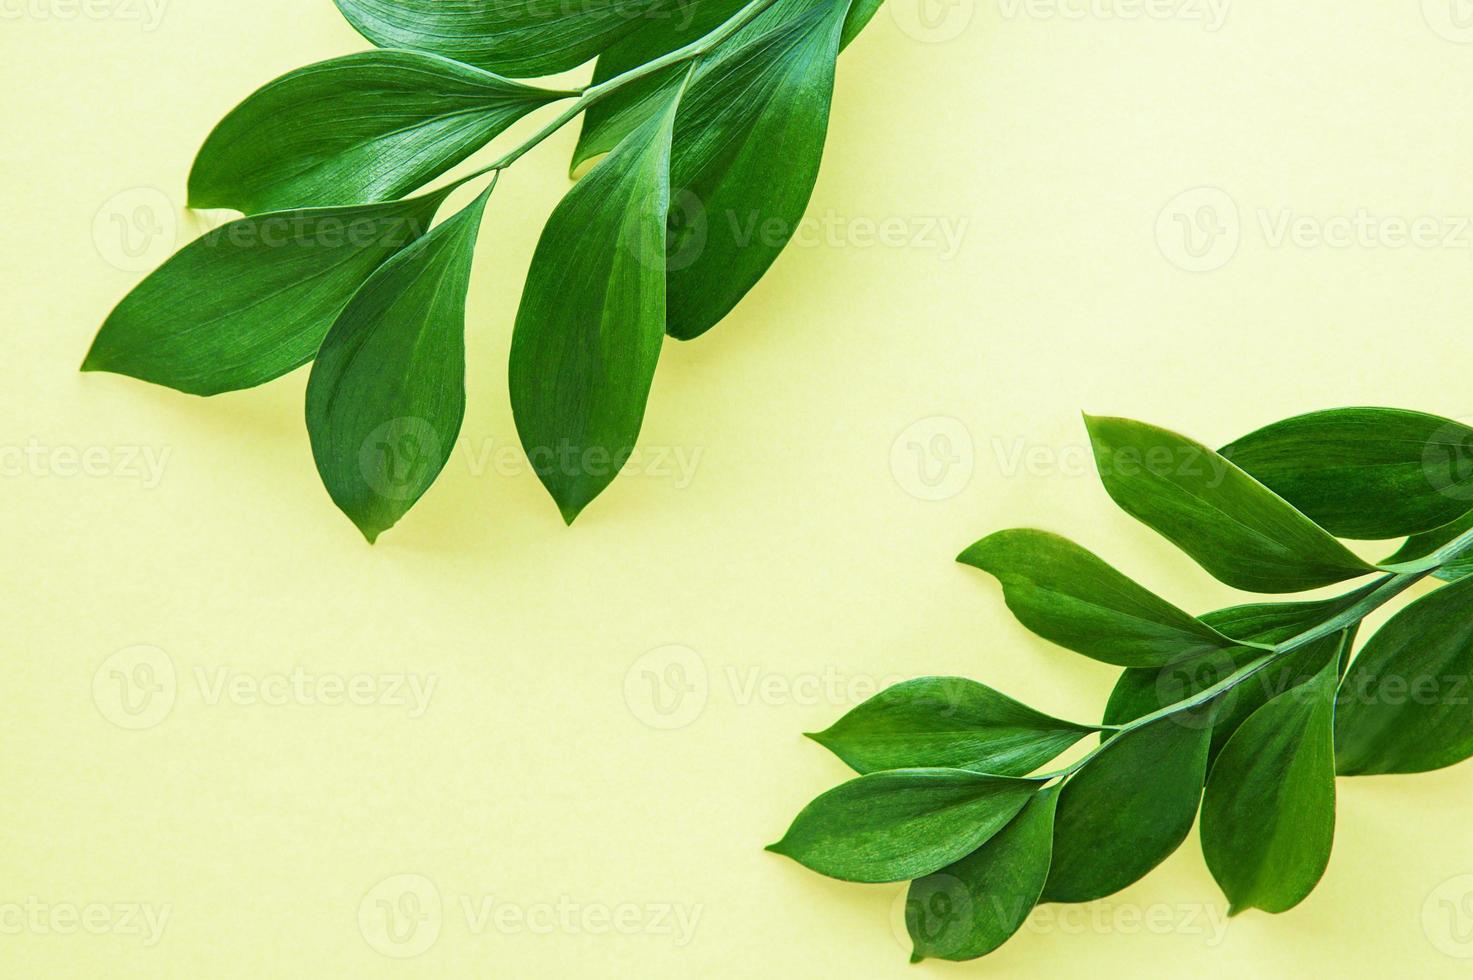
[366, 127]
[1069, 596]
[948, 723]
[1404, 705]
[387, 394]
[1233, 526]
[748, 142]
[1141, 691]
[972, 907]
[252, 299]
[592, 319]
[1364, 472]
[1128, 809]
[903, 823]
[522, 38]
[1268, 816]
[861, 12]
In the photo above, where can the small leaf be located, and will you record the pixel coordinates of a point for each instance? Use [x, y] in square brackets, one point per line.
[1233, 526]
[1128, 809]
[948, 723]
[592, 319]
[1069, 596]
[972, 907]
[387, 394]
[252, 299]
[1404, 705]
[1268, 816]
[365, 127]
[522, 38]
[1364, 472]
[904, 823]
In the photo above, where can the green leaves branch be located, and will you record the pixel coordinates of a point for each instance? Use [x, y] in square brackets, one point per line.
[691, 101]
[1246, 714]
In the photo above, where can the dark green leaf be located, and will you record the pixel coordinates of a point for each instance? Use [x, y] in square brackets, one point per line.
[1069, 596]
[522, 38]
[1128, 809]
[904, 823]
[748, 141]
[592, 319]
[1237, 529]
[387, 394]
[252, 299]
[1404, 706]
[861, 12]
[366, 127]
[1364, 472]
[1268, 816]
[971, 908]
[949, 723]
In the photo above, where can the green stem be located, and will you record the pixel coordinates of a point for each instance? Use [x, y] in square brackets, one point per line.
[1376, 595]
[595, 93]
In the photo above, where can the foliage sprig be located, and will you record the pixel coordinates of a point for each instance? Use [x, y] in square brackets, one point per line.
[707, 117]
[1246, 714]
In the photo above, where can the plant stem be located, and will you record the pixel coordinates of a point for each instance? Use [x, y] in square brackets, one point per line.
[596, 93]
[1377, 594]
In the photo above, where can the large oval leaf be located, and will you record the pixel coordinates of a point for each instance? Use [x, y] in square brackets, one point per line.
[1268, 816]
[592, 318]
[949, 723]
[1128, 809]
[972, 907]
[904, 823]
[1404, 705]
[366, 127]
[1236, 528]
[252, 299]
[1364, 472]
[748, 141]
[523, 38]
[387, 394]
[1069, 596]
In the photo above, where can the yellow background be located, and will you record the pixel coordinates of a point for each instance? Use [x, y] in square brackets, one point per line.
[799, 567]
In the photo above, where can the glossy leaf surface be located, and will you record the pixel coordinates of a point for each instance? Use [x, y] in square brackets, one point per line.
[253, 299]
[948, 722]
